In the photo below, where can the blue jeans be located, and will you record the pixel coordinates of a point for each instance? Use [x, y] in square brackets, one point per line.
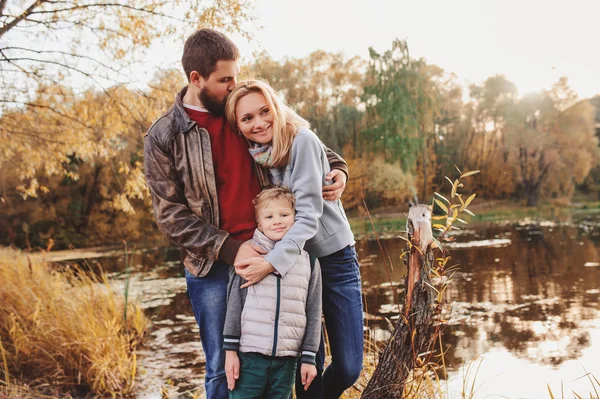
[208, 296]
[343, 311]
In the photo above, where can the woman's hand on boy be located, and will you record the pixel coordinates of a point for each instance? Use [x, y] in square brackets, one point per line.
[253, 270]
[248, 250]
[232, 368]
[308, 372]
[334, 191]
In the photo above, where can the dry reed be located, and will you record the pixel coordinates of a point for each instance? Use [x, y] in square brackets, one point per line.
[66, 330]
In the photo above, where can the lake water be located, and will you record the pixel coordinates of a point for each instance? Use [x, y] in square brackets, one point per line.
[524, 306]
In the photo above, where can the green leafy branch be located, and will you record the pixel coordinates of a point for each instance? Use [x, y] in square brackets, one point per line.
[441, 276]
[452, 208]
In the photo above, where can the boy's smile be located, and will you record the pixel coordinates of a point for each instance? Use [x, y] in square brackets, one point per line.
[275, 219]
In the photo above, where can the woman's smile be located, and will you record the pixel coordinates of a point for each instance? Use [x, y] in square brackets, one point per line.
[254, 118]
[266, 130]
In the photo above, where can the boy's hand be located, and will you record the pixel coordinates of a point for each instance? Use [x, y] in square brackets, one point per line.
[308, 372]
[232, 368]
[334, 191]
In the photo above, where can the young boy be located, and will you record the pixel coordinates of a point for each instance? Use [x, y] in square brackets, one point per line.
[270, 324]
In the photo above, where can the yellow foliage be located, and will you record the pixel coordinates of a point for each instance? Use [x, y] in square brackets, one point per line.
[379, 182]
[47, 118]
[94, 195]
[576, 146]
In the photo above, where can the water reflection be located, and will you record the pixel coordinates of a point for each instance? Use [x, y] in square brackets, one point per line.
[524, 290]
[522, 294]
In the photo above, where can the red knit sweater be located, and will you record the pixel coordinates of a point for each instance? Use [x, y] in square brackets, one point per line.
[235, 175]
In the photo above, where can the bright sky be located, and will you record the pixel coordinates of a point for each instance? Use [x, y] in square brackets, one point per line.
[531, 42]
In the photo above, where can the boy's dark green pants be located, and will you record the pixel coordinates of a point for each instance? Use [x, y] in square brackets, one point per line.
[265, 377]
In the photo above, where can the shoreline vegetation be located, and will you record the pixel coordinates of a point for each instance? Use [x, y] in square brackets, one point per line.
[391, 222]
[64, 332]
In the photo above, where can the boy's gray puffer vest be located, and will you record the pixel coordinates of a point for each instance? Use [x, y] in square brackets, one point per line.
[274, 315]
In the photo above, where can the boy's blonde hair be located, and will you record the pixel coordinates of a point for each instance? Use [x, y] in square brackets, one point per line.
[277, 193]
[286, 122]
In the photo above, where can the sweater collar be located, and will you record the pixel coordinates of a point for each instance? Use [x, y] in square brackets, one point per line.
[263, 241]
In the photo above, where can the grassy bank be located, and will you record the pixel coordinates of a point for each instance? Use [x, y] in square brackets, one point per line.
[64, 333]
[390, 223]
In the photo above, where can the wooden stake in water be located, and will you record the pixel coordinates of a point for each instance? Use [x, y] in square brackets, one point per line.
[414, 337]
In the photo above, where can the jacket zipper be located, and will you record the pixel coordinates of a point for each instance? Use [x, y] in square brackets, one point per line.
[209, 198]
[276, 328]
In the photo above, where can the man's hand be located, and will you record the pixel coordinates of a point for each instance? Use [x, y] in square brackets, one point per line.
[248, 250]
[253, 270]
[308, 372]
[232, 368]
[334, 191]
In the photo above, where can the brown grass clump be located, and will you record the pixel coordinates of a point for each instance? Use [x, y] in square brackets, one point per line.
[65, 330]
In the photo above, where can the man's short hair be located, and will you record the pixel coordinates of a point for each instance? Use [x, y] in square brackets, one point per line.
[203, 49]
[277, 193]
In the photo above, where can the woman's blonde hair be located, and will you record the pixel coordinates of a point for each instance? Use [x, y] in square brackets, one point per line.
[286, 122]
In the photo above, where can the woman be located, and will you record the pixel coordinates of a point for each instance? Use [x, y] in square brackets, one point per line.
[282, 141]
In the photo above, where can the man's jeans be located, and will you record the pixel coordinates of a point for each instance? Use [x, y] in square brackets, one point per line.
[343, 311]
[208, 295]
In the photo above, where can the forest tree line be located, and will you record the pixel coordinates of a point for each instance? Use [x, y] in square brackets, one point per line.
[72, 163]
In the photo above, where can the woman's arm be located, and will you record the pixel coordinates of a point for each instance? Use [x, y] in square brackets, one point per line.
[307, 163]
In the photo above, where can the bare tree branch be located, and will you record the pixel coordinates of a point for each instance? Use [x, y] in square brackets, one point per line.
[65, 53]
[108, 5]
[89, 75]
[21, 17]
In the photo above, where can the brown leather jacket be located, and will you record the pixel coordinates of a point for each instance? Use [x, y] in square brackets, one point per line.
[179, 171]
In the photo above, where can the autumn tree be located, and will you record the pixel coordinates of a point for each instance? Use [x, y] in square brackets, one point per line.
[577, 146]
[52, 53]
[595, 101]
[46, 42]
[591, 184]
[551, 142]
[94, 197]
[483, 137]
[449, 129]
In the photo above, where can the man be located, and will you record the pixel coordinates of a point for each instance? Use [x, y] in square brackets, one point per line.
[203, 179]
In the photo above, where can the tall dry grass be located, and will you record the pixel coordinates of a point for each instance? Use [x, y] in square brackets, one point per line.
[64, 330]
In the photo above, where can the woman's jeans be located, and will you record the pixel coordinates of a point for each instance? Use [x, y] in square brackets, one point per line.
[343, 311]
[208, 295]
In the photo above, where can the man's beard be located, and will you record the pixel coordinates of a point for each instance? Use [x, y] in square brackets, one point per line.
[211, 103]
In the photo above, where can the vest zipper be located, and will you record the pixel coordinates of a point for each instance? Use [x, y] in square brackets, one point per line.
[276, 328]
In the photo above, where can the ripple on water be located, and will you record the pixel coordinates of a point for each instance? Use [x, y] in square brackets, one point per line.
[494, 242]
